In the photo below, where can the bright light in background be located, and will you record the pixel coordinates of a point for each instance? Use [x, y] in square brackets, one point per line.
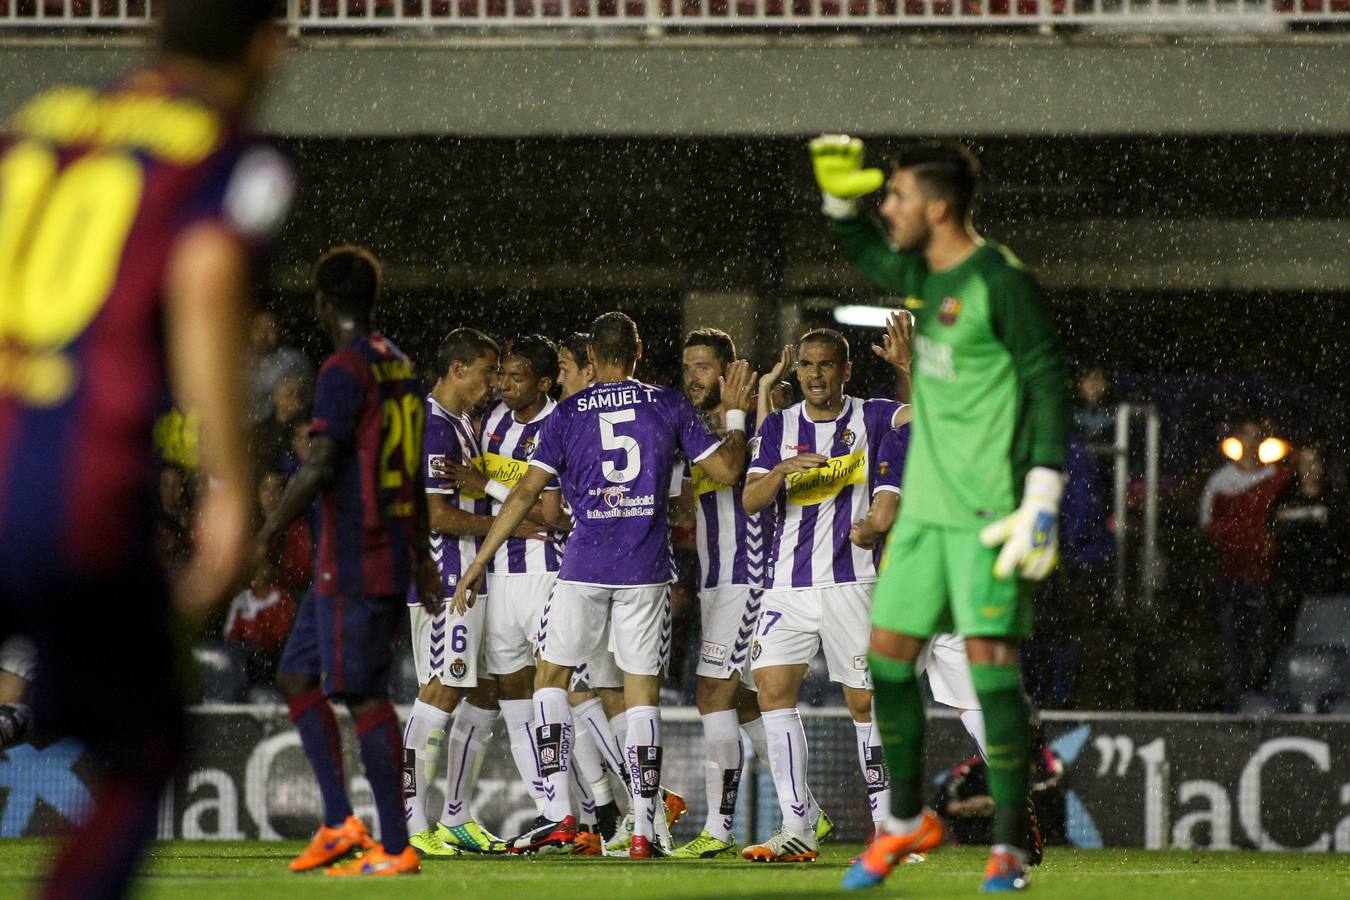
[1272, 449]
[863, 316]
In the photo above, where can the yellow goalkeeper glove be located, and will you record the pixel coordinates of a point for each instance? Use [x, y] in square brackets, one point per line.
[837, 160]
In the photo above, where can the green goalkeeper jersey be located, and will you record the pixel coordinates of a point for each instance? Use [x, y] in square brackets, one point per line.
[991, 389]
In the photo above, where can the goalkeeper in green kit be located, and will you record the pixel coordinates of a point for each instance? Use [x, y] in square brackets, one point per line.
[982, 483]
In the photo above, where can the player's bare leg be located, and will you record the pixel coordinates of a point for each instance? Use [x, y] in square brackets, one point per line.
[785, 739]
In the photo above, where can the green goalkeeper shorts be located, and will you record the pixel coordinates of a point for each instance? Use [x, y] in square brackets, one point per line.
[937, 580]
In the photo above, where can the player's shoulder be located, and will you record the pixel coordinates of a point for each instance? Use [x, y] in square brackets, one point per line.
[1001, 268]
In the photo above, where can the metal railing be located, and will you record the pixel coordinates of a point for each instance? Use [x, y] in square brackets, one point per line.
[316, 15]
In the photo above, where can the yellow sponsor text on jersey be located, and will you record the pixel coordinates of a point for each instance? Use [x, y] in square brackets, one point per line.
[178, 130]
[703, 482]
[815, 486]
[501, 468]
[391, 370]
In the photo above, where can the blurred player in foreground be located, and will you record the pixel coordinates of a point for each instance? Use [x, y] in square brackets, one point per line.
[984, 468]
[365, 468]
[613, 446]
[127, 224]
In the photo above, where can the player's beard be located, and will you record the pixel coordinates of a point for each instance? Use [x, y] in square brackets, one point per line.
[712, 399]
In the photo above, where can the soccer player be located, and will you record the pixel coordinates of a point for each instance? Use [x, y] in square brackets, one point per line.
[613, 446]
[364, 467]
[129, 218]
[447, 646]
[812, 464]
[991, 404]
[731, 557]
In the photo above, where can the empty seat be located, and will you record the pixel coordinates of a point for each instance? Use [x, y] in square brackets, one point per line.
[222, 672]
[1314, 678]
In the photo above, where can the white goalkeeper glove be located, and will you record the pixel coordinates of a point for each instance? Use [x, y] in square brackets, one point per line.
[1030, 536]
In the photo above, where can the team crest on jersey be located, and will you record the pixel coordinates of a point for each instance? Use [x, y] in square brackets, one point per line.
[949, 311]
[527, 447]
[848, 438]
[755, 650]
[458, 669]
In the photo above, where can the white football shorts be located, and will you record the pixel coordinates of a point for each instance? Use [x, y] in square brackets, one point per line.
[729, 614]
[448, 646]
[944, 658]
[795, 624]
[572, 628]
[513, 620]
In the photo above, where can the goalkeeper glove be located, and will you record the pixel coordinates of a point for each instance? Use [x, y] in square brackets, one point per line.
[837, 160]
[1030, 536]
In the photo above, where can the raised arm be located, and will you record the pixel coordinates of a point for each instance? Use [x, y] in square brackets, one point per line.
[206, 308]
[517, 506]
[727, 463]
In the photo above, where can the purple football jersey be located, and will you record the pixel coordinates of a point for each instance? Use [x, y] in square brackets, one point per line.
[889, 468]
[614, 447]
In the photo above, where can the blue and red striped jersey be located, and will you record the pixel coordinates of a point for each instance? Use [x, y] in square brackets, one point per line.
[368, 400]
[96, 187]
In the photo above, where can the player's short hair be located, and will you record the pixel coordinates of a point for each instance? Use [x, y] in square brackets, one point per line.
[576, 344]
[464, 346]
[614, 339]
[539, 352]
[826, 336]
[214, 31]
[350, 278]
[945, 170]
[715, 338]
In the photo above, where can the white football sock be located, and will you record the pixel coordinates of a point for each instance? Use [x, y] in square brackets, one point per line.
[786, 739]
[469, 734]
[618, 727]
[721, 771]
[553, 746]
[876, 777]
[519, 717]
[755, 731]
[581, 793]
[588, 764]
[973, 719]
[644, 767]
[424, 738]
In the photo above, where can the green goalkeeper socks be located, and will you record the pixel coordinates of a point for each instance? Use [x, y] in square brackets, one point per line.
[1007, 725]
[900, 722]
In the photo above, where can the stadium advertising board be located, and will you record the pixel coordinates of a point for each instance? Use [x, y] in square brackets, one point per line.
[1152, 781]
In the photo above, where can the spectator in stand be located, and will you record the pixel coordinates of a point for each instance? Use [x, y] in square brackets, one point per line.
[271, 363]
[294, 548]
[1312, 540]
[274, 437]
[1094, 416]
[260, 618]
[173, 530]
[1235, 511]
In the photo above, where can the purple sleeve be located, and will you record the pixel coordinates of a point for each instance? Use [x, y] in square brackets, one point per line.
[441, 445]
[695, 439]
[552, 442]
[879, 415]
[890, 466]
[766, 448]
[338, 398]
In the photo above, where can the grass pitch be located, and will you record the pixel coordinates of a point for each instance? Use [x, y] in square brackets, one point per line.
[255, 870]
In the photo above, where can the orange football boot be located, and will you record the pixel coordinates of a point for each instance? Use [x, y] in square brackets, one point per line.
[587, 844]
[376, 862]
[888, 850]
[331, 844]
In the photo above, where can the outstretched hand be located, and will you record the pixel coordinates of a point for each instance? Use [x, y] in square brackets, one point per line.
[738, 386]
[897, 344]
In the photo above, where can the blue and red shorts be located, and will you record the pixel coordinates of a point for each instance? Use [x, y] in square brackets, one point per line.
[346, 642]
